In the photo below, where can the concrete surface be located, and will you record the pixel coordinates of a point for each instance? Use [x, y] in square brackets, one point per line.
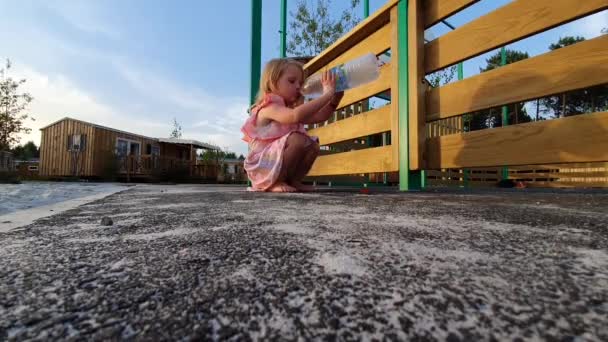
[218, 263]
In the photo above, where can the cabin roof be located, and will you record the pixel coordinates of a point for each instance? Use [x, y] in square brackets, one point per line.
[194, 143]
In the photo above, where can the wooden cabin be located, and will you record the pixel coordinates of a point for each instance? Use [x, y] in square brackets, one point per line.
[6, 161]
[75, 148]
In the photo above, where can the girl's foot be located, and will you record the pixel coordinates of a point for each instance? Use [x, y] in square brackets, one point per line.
[282, 187]
[302, 187]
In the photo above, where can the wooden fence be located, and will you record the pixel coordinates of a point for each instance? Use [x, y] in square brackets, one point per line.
[425, 123]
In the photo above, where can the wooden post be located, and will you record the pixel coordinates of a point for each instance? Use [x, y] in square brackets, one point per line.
[192, 160]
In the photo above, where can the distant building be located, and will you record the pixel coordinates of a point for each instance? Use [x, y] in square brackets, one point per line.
[71, 147]
[6, 161]
[27, 169]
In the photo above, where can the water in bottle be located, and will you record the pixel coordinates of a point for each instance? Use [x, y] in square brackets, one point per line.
[349, 75]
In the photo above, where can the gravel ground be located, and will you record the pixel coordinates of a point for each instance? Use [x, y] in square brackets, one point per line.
[218, 263]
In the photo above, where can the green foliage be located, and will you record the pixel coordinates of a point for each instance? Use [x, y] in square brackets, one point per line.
[312, 28]
[442, 77]
[13, 104]
[565, 41]
[493, 117]
[26, 152]
[495, 60]
[574, 102]
[177, 130]
[217, 156]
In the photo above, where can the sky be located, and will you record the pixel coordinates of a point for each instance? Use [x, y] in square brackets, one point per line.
[135, 65]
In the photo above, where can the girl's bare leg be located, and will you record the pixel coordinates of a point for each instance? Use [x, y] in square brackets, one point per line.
[292, 155]
[295, 179]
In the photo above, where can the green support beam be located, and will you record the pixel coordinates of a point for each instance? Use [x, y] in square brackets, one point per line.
[283, 28]
[256, 51]
[408, 180]
[256, 48]
[365, 8]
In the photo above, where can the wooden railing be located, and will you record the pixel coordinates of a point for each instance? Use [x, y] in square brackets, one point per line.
[376, 34]
[415, 110]
[574, 139]
[157, 166]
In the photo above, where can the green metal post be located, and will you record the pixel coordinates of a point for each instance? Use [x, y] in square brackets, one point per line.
[256, 51]
[408, 180]
[283, 28]
[256, 48]
[505, 110]
[465, 178]
[368, 139]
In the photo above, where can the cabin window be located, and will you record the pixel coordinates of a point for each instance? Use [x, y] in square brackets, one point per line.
[126, 147]
[155, 151]
[76, 142]
[122, 147]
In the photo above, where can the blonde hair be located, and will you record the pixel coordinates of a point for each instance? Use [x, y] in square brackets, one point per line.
[273, 70]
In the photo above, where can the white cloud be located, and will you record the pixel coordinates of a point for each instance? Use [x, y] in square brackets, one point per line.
[204, 117]
[590, 26]
[56, 96]
[147, 108]
[86, 16]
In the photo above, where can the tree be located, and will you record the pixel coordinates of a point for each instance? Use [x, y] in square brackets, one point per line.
[241, 157]
[312, 29]
[565, 41]
[492, 117]
[12, 107]
[578, 101]
[177, 130]
[441, 77]
[26, 152]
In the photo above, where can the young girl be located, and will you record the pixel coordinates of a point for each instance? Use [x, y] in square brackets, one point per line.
[280, 151]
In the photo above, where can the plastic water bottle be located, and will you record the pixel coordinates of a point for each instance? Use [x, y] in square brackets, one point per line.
[362, 70]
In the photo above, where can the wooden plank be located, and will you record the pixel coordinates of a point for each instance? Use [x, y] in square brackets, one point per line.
[559, 174]
[90, 155]
[436, 10]
[581, 138]
[357, 34]
[597, 165]
[368, 123]
[573, 67]
[416, 86]
[514, 21]
[375, 43]
[63, 146]
[395, 86]
[52, 149]
[360, 93]
[42, 152]
[567, 184]
[375, 159]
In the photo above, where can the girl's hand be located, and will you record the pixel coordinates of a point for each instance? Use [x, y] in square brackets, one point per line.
[328, 80]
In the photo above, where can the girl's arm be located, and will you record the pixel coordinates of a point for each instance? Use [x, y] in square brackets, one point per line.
[327, 110]
[303, 112]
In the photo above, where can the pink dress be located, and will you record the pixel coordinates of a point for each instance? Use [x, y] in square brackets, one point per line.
[266, 145]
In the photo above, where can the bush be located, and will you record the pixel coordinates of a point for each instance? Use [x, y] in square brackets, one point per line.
[9, 178]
